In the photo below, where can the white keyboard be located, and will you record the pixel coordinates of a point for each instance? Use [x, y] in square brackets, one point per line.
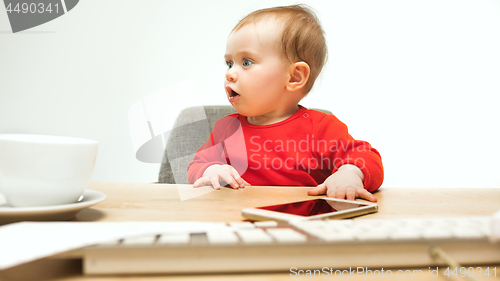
[398, 230]
[268, 246]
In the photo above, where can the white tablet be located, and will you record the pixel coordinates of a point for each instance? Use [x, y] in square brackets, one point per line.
[322, 208]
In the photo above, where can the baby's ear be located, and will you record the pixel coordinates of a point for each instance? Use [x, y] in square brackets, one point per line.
[299, 75]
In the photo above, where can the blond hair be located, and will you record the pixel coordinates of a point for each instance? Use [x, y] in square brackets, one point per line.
[302, 38]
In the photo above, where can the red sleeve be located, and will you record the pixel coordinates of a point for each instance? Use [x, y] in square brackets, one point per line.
[341, 148]
[213, 151]
[208, 154]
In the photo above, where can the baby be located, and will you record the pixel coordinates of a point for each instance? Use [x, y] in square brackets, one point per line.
[274, 56]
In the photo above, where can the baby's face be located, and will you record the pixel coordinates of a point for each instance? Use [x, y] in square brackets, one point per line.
[257, 70]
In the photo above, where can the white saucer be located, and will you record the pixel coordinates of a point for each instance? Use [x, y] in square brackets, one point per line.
[49, 213]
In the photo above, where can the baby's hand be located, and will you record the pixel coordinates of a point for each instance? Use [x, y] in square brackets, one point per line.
[346, 183]
[218, 173]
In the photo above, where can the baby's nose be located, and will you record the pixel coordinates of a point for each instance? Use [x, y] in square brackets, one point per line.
[231, 75]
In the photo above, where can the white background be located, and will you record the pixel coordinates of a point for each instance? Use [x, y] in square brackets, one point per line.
[419, 80]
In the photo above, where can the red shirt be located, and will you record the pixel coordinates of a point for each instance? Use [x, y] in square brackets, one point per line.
[302, 150]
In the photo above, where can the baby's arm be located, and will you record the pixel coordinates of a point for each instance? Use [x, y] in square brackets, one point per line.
[346, 182]
[210, 162]
[215, 174]
[357, 167]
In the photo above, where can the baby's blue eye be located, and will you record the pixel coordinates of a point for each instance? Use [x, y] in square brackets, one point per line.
[229, 64]
[247, 62]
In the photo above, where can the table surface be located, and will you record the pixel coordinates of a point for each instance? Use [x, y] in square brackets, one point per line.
[161, 202]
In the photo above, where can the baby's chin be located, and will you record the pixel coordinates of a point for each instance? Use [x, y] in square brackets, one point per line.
[242, 111]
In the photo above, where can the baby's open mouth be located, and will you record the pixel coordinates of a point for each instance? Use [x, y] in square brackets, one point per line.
[232, 94]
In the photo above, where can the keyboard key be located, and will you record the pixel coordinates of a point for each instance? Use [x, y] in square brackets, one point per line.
[265, 224]
[405, 234]
[337, 237]
[371, 223]
[339, 227]
[467, 233]
[372, 235]
[437, 233]
[311, 224]
[286, 235]
[222, 237]
[142, 240]
[180, 238]
[339, 223]
[255, 235]
[242, 224]
[486, 229]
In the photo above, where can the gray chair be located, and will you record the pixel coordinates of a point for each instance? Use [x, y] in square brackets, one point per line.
[191, 129]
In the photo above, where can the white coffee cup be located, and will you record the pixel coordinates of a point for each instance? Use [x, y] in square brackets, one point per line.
[40, 170]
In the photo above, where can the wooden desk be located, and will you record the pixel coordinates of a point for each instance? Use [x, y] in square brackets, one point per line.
[159, 202]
